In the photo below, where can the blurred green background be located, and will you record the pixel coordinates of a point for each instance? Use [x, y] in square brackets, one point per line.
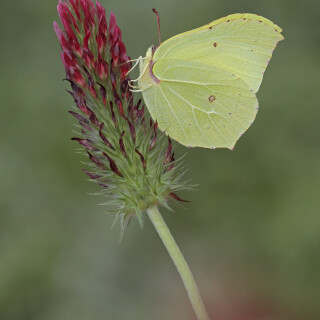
[251, 233]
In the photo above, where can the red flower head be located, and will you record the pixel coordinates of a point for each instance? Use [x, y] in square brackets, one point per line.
[128, 158]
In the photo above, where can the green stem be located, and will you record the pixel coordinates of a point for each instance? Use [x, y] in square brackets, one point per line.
[179, 261]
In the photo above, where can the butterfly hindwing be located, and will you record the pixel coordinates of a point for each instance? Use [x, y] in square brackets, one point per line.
[200, 105]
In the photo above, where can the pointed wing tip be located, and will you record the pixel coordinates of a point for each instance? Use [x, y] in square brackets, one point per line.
[259, 18]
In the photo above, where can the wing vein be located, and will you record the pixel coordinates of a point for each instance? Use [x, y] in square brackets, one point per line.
[241, 59]
[174, 115]
[194, 107]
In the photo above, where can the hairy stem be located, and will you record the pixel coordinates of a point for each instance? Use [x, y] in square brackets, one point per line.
[179, 261]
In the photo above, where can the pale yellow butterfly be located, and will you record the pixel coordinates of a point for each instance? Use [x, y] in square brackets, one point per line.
[201, 85]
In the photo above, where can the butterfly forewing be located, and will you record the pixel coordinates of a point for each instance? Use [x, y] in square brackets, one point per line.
[242, 46]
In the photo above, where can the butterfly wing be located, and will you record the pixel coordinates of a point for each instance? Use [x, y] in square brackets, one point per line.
[202, 83]
[200, 105]
[241, 44]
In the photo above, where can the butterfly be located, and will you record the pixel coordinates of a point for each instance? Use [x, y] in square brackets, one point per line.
[200, 86]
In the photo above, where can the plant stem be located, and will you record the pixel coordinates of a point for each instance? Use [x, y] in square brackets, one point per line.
[179, 261]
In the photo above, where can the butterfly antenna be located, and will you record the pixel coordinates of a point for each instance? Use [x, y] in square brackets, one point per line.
[158, 19]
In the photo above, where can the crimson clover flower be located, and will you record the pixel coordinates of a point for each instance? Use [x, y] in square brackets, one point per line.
[132, 162]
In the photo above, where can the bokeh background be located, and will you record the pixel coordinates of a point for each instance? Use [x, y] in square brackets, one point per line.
[251, 233]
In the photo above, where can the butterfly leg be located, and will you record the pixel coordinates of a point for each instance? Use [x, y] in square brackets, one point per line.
[143, 71]
[141, 89]
[136, 63]
[132, 86]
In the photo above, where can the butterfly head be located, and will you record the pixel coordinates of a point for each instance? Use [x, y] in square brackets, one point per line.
[144, 63]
